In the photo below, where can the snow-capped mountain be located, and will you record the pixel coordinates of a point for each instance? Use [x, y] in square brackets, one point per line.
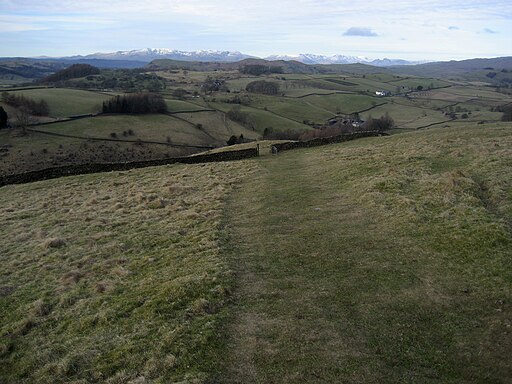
[150, 54]
[308, 58]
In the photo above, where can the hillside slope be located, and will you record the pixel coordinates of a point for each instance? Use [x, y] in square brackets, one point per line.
[114, 277]
[379, 260]
[472, 69]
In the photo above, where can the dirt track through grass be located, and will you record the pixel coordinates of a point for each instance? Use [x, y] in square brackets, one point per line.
[359, 263]
[286, 285]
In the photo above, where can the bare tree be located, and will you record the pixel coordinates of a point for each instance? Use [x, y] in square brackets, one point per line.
[22, 120]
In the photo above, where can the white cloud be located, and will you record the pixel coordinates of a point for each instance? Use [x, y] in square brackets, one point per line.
[360, 31]
[274, 26]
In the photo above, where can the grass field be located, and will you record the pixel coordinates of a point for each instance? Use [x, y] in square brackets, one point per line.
[368, 84]
[240, 83]
[378, 260]
[37, 150]
[300, 92]
[145, 127]
[217, 126]
[413, 83]
[180, 106]
[111, 278]
[262, 119]
[466, 93]
[375, 261]
[407, 116]
[295, 109]
[345, 104]
[67, 102]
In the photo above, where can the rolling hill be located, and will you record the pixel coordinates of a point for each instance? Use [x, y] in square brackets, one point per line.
[378, 260]
[473, 69]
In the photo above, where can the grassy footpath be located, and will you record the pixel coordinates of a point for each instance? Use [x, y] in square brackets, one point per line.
[382, 260]
[114, 277]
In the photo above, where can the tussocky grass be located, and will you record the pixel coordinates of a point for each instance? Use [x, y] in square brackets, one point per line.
[381, 260]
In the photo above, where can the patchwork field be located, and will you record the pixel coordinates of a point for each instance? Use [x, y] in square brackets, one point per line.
[115, 138]
[201, 117]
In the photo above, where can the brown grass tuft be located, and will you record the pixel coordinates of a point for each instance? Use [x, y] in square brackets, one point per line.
[157, 204]
[40, 308]
[72, 277]
[169, 361]
[54, 242]
[24, 326]
[101, 286]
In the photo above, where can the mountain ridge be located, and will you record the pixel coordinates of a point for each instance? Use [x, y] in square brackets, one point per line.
[147, 55]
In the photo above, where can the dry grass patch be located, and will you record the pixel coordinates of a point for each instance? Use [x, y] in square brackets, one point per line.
[114, 277]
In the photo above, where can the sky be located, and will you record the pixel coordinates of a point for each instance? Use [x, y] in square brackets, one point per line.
[412, 30]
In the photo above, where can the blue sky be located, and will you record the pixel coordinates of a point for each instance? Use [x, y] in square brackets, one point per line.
[416, 30]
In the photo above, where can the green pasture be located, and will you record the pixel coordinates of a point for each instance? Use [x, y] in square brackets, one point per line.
[295, 109]
[300, 92]
[382, 260]
[407, 117]
[217, 125]
[67, 102]
[413, 83]
[181, 105]
[145, 127]
[343, 103]
[262, 119]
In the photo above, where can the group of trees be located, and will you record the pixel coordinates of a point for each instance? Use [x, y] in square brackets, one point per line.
[507, 113]
[237, 140]
[180, 93]
[28, 105]
[239, 99]
[214, 85]
[270, 134]
[506, 109]
[259, 69]
[383, 123]
[346, 126]
[72, 72]
[86, 76]
[236, 114]
[3, 118]
[263, 86]
[138, 103]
